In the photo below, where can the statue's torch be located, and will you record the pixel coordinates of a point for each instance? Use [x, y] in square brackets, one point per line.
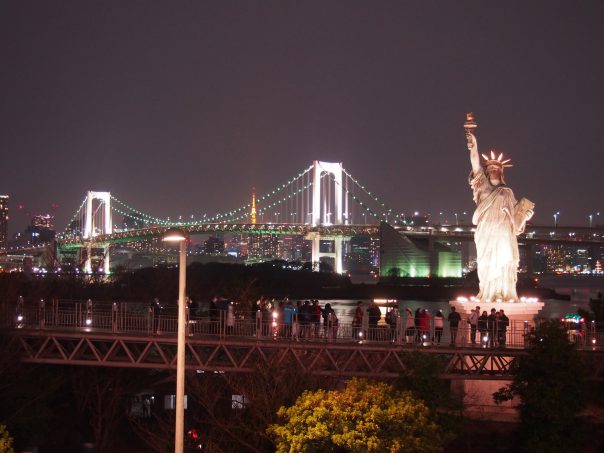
[469, 126]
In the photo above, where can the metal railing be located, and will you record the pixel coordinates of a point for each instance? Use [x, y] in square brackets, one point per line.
[138, 319]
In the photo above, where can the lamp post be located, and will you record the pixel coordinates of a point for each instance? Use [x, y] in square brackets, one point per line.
[556, 219]
[178, 235]
[591, 218]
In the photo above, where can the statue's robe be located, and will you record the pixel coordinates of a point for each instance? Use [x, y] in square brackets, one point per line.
[496, 244]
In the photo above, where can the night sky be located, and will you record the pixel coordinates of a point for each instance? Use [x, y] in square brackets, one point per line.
[183, 107]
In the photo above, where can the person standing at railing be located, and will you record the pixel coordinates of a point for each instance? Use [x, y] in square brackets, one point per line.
[482, 325]
[373, 314]
[409, 326]
[473, 321]
[417, 322]
[357, 321]
[492, 326]
[454, 319]
[156, 309]
[230, 318]
[265, 316]
[392, 320]
[330, 322]
[288, 318]
[305, 318]
[439, 325]
[424, 326]
[315, 317]
[502, 325]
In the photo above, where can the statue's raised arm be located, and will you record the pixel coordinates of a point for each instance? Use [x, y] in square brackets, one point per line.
[474, 156]
[469, 126]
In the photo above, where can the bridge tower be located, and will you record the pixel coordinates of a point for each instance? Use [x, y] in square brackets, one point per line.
[321, 214]
[91, 229]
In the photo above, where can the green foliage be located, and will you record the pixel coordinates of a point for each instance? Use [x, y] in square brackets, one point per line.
[422, 379]
[394, 272]
[597, 308]
[549, 382]
[364, 417]
[6, 442]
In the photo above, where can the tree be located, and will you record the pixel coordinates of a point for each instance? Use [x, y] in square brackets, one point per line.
[325, 267]
[6, 442]
[364, 417]
[394, 273]
[100, 395]
[423, 380]
[549, 383]
[27, 395]
[222, 423]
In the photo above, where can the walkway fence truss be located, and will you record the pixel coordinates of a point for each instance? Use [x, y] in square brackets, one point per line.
[138, 336]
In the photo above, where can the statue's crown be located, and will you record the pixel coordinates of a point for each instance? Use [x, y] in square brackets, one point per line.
[493, 160]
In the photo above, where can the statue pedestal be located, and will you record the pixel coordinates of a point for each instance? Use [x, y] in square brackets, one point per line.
[477, 394]
[516, 311]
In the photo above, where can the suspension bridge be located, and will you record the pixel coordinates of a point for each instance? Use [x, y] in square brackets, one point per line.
[323, 203]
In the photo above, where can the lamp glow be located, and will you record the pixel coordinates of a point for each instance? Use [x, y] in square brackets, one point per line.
[174, 235]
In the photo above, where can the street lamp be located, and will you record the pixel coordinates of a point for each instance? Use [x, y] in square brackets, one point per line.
[178, 235]
[556, 215]
[591, 217]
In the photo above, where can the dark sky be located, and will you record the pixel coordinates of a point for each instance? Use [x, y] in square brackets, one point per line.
[183, 107]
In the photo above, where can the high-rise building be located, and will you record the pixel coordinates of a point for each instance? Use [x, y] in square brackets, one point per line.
[293, 248]
[262, 247]
[214, 245]
[237, 246]
[40, 230]
[42, 221]
[3, 219]
[358, 259]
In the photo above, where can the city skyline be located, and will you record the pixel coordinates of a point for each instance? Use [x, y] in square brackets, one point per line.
[183, 110]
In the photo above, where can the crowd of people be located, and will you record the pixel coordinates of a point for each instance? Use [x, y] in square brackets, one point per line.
[305, 320]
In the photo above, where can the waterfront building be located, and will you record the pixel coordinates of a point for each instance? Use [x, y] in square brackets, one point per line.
[293, 247]
[262, 247]
[214, 245]
[358, 259]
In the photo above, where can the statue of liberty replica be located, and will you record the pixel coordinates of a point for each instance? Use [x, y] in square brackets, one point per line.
[499, 218]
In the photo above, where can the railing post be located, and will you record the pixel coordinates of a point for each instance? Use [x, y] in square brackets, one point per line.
[187, 317]
[55, 311]
[150, 321]
[41, 314]
[258, 324]
[399, 329]
[88, 319]
[526, 333]
[19, 315]
[114, 317]
[221, 320]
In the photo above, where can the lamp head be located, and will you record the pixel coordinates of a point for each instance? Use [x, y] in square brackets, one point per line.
[174, 235]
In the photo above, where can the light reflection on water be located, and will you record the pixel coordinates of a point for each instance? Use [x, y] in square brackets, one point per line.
[345, 308]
